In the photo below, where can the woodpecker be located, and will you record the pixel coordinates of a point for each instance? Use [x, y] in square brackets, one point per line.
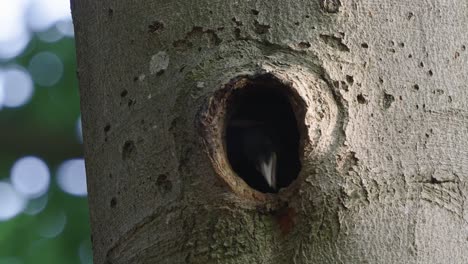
[257, 144]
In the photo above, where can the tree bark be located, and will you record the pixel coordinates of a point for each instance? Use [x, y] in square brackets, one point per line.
[382, 86]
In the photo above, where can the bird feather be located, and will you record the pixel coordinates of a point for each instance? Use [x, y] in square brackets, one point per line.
[268, 169]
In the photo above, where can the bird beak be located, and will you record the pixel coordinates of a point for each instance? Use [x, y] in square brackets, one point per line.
[268, 169]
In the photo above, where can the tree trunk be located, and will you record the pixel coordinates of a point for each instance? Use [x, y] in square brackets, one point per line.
[378, 91]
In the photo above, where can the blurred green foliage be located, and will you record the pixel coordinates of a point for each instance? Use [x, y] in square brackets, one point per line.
[45, 127]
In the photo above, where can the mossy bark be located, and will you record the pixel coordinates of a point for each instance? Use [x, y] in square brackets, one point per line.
[384, 160]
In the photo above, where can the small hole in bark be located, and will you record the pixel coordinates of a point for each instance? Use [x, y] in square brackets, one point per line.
[164, 183]
[159, 73]
[237, 22]
[388, 100]
[113, 202]
[361, 99]
[155, 26]
[128, 149]
[364, 45]
[262, 137]
[261, 28]
[131, 102]
[304, 45]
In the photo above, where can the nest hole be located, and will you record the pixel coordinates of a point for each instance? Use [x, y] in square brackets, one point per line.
[261, 119]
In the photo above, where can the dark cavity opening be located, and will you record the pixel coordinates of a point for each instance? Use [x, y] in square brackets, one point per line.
[261, 120]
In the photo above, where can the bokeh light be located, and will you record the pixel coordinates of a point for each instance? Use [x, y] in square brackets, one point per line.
[11, 202]
[14, 34]
[52, 225]
[79, 130]
[85, 253]
[42, 14]
[37, 205]
[50, 35]
[2, 93]
[46, 68]
[11, 48]
[16, 87]
[30, 176]
[71, 177]
[66, 27]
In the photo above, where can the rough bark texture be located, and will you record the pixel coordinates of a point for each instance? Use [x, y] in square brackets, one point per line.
[384, 169]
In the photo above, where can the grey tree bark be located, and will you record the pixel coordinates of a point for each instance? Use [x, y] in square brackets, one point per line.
[384, 134]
